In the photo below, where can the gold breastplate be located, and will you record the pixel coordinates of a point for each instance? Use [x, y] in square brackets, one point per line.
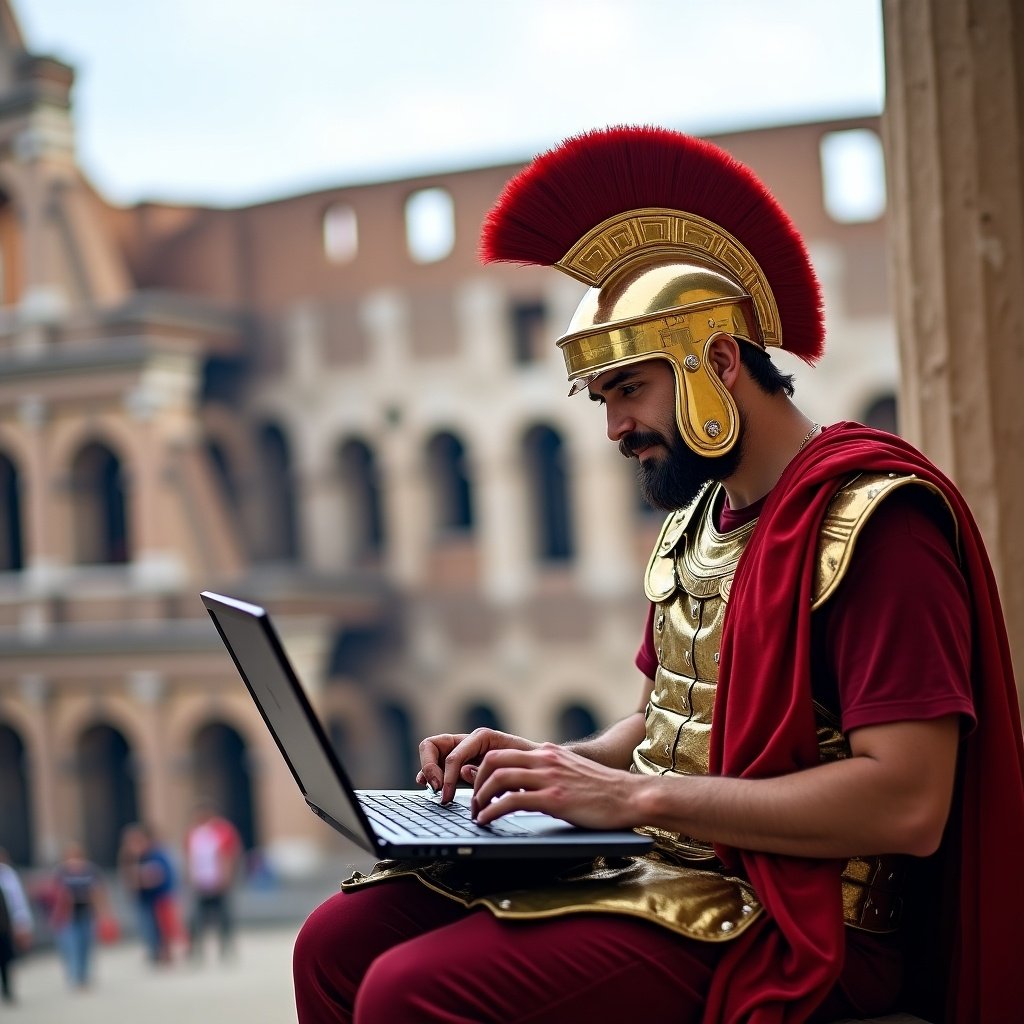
[688, 578]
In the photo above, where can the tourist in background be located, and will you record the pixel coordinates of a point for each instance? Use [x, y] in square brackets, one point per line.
[213, 851]
[80, 914]
[15, 923]
[147, 873]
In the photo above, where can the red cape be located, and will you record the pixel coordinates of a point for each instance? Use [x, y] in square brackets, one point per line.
[763, 726]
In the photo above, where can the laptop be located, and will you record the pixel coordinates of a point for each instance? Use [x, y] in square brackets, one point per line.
[407, 824]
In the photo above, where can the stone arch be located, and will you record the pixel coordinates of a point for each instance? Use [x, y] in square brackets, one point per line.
[450, 483]
[362, 497]
[881, 411]
[222, 775]
[280, 539]
[574, 721]
[235, 467]
[397, 724]
[100, 506]
[480, 715]
[547, 476]
[106, 773]
[12, 518]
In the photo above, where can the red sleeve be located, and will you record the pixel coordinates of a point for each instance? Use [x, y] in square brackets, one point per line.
[897, 632]
[646, 660]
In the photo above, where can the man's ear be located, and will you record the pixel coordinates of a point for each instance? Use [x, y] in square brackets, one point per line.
[724, 358]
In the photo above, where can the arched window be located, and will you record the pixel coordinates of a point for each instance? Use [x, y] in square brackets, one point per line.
[430, 224]
[341, 233]
[449, 481]
[361, 490]
[223, 777]
[106, 779]
[281, 539]
[397, 726]
[11, 553]
[530, 338]
[15, 805]
[853, 175]
[882, 413]
[480, 716]
[575, 722]
[548, 481]
[100, 506]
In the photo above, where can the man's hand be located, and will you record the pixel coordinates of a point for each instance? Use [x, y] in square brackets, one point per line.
[449, 757]
[550, 778]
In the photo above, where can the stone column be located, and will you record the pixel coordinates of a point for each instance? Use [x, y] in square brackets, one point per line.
[604, 511]
[956, 183]
[506, 561]
[404, 492]
[148, 691]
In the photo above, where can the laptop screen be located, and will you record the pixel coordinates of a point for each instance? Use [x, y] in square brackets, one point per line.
[264, 667]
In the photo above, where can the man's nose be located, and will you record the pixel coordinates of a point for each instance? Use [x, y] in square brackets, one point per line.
[619, 425]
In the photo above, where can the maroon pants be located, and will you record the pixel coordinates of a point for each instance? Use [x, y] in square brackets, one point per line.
[398, 953]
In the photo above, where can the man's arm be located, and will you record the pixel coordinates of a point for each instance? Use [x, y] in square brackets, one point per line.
[891, 796]
[614, 746]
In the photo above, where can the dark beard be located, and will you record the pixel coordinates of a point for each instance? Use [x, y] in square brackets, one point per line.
[673, 480]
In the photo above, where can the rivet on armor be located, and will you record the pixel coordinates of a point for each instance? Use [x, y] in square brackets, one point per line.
[727, 926]
[892, 476]
[712, 428]
[694, 608]
[660, 624]
[873, 493]
[686, 657]
[747, 908]
[504, 904]
[711, 323]
[716, 657]
[691, 362]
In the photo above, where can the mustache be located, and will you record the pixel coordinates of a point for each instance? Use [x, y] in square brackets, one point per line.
[638, 440]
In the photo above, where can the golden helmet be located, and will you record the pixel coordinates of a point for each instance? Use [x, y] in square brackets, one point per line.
[679, 242]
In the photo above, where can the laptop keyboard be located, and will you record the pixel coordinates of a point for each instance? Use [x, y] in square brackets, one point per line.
[419, 816]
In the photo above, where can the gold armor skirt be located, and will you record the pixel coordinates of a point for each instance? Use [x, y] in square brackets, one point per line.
[698, 903]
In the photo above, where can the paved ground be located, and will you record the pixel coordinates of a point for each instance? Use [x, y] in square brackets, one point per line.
[255, 988]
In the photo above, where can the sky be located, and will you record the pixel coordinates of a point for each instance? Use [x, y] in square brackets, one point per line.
[230, 102]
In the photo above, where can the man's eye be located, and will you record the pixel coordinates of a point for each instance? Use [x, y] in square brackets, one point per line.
[628, 389]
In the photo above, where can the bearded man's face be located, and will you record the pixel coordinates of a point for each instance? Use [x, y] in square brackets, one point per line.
[672, 475]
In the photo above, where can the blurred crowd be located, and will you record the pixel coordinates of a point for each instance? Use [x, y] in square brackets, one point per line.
[174, 898]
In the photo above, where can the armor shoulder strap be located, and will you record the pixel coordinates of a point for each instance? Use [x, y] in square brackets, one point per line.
[847, 514]
[660, 577]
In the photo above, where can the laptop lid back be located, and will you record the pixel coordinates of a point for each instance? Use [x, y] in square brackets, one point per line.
[261, 661]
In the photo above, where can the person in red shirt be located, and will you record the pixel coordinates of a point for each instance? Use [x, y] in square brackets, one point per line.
[826, 746]
[213, 851]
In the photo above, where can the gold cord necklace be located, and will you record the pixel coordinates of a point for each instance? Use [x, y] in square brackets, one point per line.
[810, 434]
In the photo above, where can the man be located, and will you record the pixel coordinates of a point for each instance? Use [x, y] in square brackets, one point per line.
[825, 674]
[148, 875]
[15, 923]
[213, 850]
